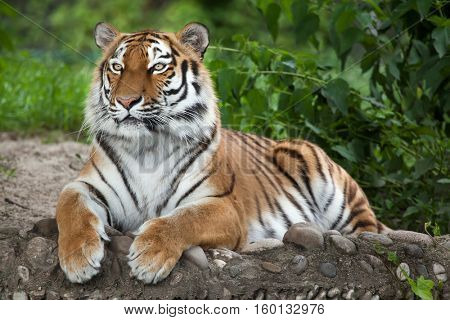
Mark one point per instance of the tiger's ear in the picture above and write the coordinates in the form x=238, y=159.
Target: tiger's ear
x=104, y=34
x=196, y=36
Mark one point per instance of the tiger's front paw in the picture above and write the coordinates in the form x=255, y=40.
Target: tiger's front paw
x=154, y=252
x=80, y=254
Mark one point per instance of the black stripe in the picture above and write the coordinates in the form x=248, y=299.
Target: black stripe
x=115, y=160
x=266, y=196
x=343, y=205
x=102, y=177
x=258, y=211
x=229, y=190
x=362, y=224
x=184, y=67
x=194, y=66
x=352, y=191
x=283, y=214
x=196, y=87
x=333, y=192
x=279, y=184
x=198, y=149
x=304, y=171
x=195, y=186
x=100, y=199
x=190, y=113
x=318, y=163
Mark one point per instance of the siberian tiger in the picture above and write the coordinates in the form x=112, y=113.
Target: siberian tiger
x=162, y=167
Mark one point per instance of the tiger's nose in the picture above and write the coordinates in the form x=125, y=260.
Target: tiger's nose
x=128, y=102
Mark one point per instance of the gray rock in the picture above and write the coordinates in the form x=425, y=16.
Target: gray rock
x=51, y=295
x=7, y=256
x=439, y=272
x=224, y=254
x=367, y=296
x=271, y=267
x=399, y=294
x=343, y=245
x=20, y=295
x=304, y=236
x=401, y=270
x=333, y=292
x=312, y=293
x=176, y=278
x=375, y=297
x=349, y=295
x=301, y=296
x=235, y=270
x=328, y=269
x=365, y=266
x=422, y=270
x=375, y=262
x=112, y=232
x=260, y=294
x=23, y=273
x=197, y=256
x=96, y=295
x=39, y=253
x=375, y=238
x=262, y=245
x=299, y=264
x=120, y=244
x=226, y=294
x=219, y=263
x=331, y=233
x=411, y=237
x=38, y=294
x=322, y=295
x=46, y=227
x=413, y=250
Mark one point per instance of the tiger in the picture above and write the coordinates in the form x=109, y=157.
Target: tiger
x=162, y=167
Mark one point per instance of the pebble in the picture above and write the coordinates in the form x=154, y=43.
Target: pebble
x=24, y=273
x=332, y=233
x=313, y=292
x=375, y=297
x=46, y=227
x=260, y=295
x=38, y=294
x=343, y=245
x=20, y=295
x=219, y=263
x=333, y=292
x=224, y=254
x=349, y=295
x=226, y=294
x=401, y=270
x=197, y=256
x=7, y=256
x=422, y=270
x=39, y=253
x=306, y=237
x=375, y=262
x=120, y=244
x=96, y=295
x=176, y=278
x=271, y=267
x=299, y=264
x=322, y=295
x=112, y=232
x=235, y=270
x=411, y=237
x=376, y=238
x=365, y=266
x=52, y=295
x=367, y=296
x=328, y=269
x=262, y=245
x=413, y=250
x=439, y=271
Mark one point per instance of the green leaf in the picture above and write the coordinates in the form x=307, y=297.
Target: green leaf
x=422, y=287
x=423, y=6
x=336, y=92
x=305, y=23
x=441, y=40
x=422, y=166
x=444, y=181
x=392, y=257
x=272, y=14
x=345, y=152
x=439, y=21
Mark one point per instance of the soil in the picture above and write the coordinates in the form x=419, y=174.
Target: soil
x=32, y=174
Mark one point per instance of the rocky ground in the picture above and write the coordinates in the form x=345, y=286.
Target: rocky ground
x=306, y=265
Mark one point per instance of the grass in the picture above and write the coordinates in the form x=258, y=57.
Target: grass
x=41, y=94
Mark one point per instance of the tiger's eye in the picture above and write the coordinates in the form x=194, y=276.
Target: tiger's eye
x=116, y=67
x=158, y=67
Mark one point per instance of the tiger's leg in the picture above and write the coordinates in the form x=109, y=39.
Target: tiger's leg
x=81, y=230
x=161, y=241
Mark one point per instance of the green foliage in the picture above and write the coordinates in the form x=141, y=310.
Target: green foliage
x=368, y=81
x=423, y=288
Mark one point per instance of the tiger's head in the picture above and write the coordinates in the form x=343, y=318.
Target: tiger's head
x=150, y=82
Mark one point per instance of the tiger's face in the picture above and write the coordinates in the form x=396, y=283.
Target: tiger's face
x=152, y=81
